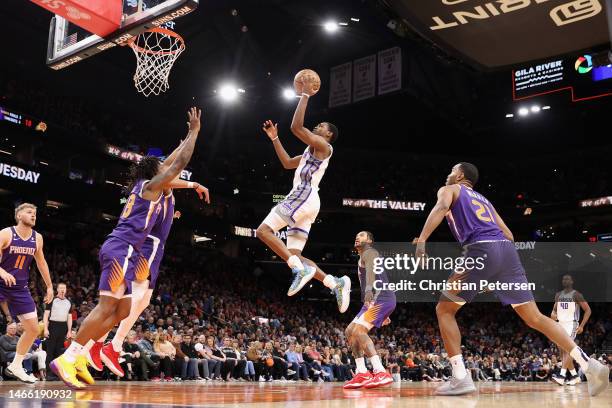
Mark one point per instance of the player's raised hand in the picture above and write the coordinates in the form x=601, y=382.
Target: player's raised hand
x=271, y=129
x=9, y=280
x=309, y=87
x=49, y=295
x=194, y=115
x=203, y=193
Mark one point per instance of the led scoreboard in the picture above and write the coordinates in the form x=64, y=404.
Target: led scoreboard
x=582, y=77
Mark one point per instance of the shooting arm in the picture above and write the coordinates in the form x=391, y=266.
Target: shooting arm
x=438, y=212
x=305, y=135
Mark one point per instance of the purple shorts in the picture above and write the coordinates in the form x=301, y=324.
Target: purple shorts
x=501, y=264
x=377, y=313
x=116, y=261
x=18, y=297
x=146, y=263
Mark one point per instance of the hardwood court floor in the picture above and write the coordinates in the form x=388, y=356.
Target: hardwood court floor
x=301, y=395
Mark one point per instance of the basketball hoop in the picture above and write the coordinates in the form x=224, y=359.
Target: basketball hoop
x=156, y=51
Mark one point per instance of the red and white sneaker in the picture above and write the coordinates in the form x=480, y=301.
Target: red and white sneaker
x=379, y=380
x=358, y=381
x=93, y=357
x=110, y=358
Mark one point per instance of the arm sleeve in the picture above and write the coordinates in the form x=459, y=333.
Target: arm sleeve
x=368, y=260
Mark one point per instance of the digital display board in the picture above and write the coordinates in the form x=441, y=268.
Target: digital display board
x=578, y=75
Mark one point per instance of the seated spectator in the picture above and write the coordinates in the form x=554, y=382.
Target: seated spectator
x=215, y=357
x=166, y=352
x=180, y=359
x=296, y=363
x=188, y=348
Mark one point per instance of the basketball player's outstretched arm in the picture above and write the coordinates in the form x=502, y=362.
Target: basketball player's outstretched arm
x=162, y=180
x=43, y=267
x=199, y=188
x=298, y=129
x=170, y=159
x=586, y=309
x=288, y=162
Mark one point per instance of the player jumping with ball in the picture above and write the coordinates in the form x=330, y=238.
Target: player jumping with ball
x=300, y=209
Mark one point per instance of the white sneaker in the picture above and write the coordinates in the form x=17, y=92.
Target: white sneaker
x=261, y=378
x=20, y=374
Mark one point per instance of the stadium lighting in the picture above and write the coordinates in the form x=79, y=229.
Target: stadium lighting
x=523, y=112
x=509, y=115
x=545, y=107
x=289, y=94
x=343, y=24
x=355, y=19
x=535, y=109
x=331, y=26
x=228, y=93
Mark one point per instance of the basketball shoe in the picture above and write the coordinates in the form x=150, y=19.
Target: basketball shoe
x=358, y=381
x=343, y=293
x=379, y=379
x=300, y=278
x=93, y=356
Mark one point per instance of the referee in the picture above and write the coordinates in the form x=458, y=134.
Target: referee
x=58, y=324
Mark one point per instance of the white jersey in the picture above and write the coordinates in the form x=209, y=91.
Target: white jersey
x=567, y=308
x=309, y=172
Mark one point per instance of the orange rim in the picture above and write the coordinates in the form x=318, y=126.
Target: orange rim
x=158, y=30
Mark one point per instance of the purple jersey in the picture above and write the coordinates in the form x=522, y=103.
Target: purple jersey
x=162, y=226
x=137, y=218
x=17, y=257
x=381, y=277
x=472, y=218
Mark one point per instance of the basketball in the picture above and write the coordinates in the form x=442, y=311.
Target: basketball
x=306, y=75
x=269, y=362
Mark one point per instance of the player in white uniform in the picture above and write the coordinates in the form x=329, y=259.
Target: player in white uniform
x=567, y=312
x=300, y=209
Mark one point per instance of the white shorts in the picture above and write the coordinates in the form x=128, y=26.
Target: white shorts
x=298, y=216
x=570, y=328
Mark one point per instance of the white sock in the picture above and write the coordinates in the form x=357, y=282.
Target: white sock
x=361, y=367
x=330, y=281
x=458, y=367
x=581, y=357
x=563, y=372
x=117, y=343
x=294, y=262
x=573, y=372
x=377, y=366
x=87, y=347
x=101, y=339
x=73, y=351
x=18, y=360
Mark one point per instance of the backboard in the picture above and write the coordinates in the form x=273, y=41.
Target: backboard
x=69, y=43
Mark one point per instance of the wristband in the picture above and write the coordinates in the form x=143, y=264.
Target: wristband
x=275, y=138
x=306, y=95
x=190, y=184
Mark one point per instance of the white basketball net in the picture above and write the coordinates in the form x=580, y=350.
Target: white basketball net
x=156, y=50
